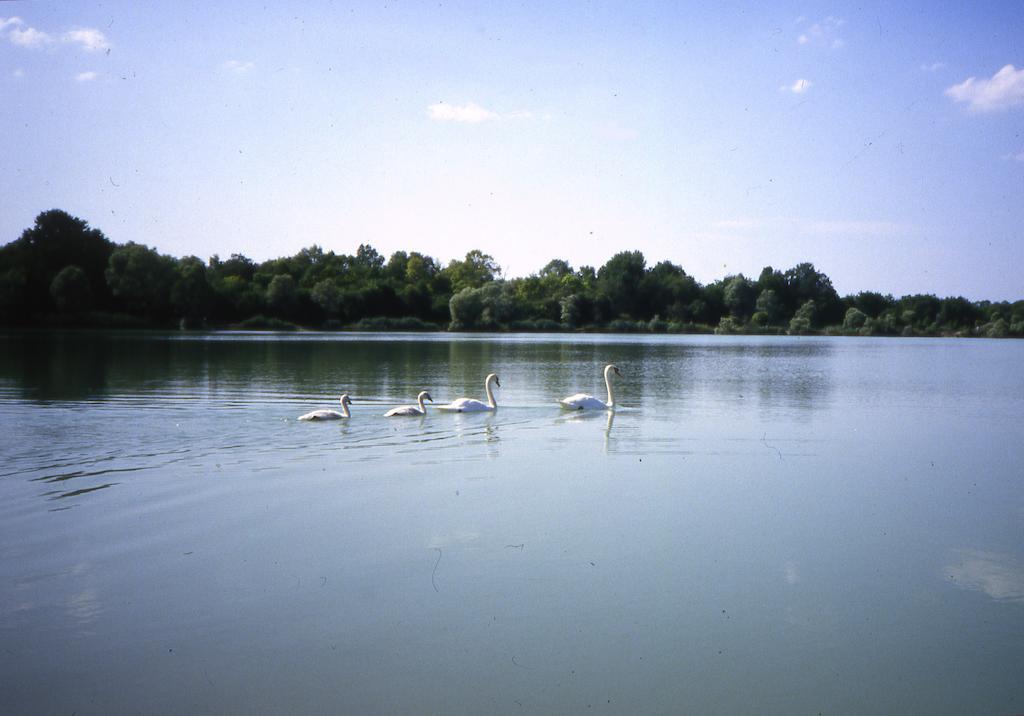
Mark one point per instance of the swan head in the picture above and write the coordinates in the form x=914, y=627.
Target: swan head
x=424, y=395
x=345, y=400
x=612, y=368
x=494, y=377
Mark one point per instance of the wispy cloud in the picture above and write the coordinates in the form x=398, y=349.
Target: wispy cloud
x=933, y=67
x=1019, y=157
x=89, y=39
x=1003, y=90
x=470, y=112
x=814, y=227
x=798, y=87
x=86, y=76
x=791, y=570
x=238, y=67
x=17, y=73
x=824, y=33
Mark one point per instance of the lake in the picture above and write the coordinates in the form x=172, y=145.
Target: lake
x=765, y=525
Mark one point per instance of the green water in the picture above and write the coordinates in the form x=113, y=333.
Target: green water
x=765, y=525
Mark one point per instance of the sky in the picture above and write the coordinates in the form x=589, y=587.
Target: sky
x=883, y=144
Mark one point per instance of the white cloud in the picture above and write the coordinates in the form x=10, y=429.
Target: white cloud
x=469, y=112
x=86, y=76
x=238, y=67
x=823, y=33
x=18, y=73
x=90, y=40
x=1005, y=89
x=87, y=38
x=933, y=67
x=29, y=37
x=1015, y=157
x=997, y=575
x=798, y=87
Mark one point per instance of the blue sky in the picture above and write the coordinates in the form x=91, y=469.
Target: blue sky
x=884, y=145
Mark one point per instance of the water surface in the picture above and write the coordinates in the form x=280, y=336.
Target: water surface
x=765, y=525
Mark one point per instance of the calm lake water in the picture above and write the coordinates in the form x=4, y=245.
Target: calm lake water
x=766, y=525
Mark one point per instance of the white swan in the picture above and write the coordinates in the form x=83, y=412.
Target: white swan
x=582, y=401
x=468, y=405
x=330, y=414
x=419, y=410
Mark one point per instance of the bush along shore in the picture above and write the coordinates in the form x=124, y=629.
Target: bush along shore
x=63, y=273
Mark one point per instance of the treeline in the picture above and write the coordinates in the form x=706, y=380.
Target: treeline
x=62, y=272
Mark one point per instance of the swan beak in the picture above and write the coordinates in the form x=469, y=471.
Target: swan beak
x=618, y=372
x=497, y=382
x=427, y=397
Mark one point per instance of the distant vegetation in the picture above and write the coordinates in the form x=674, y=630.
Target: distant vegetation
x=62, y=272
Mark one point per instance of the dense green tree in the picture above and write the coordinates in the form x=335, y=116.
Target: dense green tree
x=740, y=296
x=467, y=306
x=328, y=296
x=958, y=311
x=70, y=290
x=619, y=282
x=854, y=319
x=141, y=279
x=474, y=271
x=14, y=306
x=490, y=306
x=919, y=311
x=770, y=305
x=771, y=280
x=191, y=295
x=803, y=320
x=668, y=291
x=282, y=296
x=62, y=264
x=55, y=240
x=572, y=310
x=556, y=268
x=805, y=283
x=871, y=303
x=238, y=265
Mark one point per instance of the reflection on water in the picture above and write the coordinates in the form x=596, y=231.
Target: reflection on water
x=758, y=512
x=136, y=366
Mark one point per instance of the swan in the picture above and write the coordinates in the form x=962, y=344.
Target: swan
x=467, y=405
x=582, y=401
x=330, y=414
x=421, y=409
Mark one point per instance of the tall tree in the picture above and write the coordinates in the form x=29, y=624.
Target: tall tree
x=141, y=279
x=619, y=282
x=474, y=271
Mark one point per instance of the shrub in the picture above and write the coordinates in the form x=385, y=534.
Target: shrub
x=383, y=323
x=264, y=323
x=621, y=325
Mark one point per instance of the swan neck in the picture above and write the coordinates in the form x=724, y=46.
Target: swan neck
x=490, y=393
x=608, y=385
x=423, y=408
x=344, y=410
